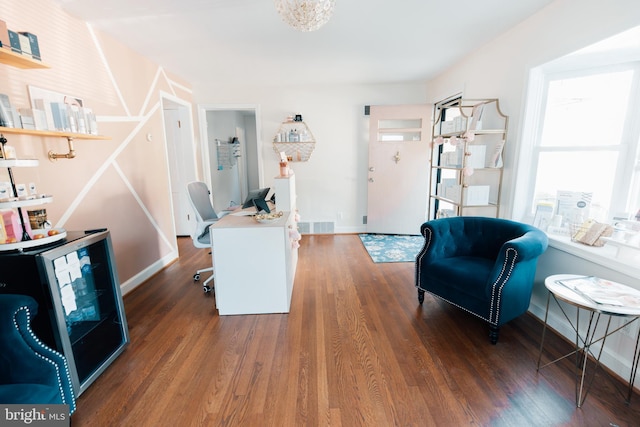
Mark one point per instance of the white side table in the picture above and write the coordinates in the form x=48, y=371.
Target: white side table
x=583, y=343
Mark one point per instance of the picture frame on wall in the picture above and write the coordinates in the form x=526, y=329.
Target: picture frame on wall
x=60, y=112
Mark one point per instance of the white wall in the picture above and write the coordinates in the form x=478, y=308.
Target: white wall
x=335, y=178
x=250, y=145
x=500, y=69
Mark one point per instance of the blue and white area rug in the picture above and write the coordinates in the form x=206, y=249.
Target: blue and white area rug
x=392, y=247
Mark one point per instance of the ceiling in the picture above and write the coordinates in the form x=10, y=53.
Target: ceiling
x=246, y=42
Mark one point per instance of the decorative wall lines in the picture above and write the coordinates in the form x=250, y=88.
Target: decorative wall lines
x=108, y=68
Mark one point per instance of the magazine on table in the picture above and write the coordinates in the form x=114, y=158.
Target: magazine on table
x=602, y=291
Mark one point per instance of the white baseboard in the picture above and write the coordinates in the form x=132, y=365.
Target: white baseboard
x=351, y=230
x=145, y=274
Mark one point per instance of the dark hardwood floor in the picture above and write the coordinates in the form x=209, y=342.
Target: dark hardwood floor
x=355, y=350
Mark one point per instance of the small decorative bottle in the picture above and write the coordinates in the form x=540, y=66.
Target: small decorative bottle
x=284, y=169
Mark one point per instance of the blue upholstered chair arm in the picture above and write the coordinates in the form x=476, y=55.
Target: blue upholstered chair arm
x=24, y=358
x=511, y=278
x=528, y=246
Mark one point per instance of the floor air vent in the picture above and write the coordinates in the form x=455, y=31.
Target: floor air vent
x=304, y=227
x=323, y=228
x=316, y=227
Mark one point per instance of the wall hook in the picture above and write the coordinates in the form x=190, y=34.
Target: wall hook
x=396, y=158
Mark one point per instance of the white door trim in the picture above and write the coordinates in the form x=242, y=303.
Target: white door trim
x=202, y=120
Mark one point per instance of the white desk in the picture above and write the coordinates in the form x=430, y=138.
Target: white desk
x=584, y=342
x=254, y=264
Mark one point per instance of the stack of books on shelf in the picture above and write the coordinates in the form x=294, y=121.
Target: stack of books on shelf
x=21, y=42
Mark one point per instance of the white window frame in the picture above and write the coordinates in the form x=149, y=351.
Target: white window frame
x=539, y=78
x=627, y=148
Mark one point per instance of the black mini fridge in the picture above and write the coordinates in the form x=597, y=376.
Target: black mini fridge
x=80, y=308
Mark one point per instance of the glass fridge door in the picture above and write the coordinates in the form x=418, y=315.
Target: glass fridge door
x=90, y=313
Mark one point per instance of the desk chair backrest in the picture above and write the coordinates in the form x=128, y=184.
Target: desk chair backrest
x=199, y=197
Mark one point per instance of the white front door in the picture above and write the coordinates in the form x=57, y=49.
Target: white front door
x=399, y=141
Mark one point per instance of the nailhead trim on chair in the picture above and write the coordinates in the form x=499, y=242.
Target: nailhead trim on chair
x=460, y=307
x=422, y=253
x=495, y=299
x=72, y=406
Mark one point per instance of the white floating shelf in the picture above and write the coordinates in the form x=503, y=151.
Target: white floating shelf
x=25, y=203
x=19, y=163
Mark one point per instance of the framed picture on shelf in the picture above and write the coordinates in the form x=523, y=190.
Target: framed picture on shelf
x=57, y=111
x=573, y=206
x=544, y=213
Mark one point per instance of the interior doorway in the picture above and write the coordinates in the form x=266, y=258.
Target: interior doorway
x=179, y=139
x=231, y=151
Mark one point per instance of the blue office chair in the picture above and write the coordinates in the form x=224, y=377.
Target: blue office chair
x=30, y=372
x=484, y=266
x=199, y=197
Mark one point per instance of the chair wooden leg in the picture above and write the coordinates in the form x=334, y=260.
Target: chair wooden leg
x=494, y=331
x=420, y=296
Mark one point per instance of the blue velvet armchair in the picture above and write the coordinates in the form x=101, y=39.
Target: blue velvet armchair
x=30, y=372
x=484, y=266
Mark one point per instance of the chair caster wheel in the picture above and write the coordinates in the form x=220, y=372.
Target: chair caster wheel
x=196, y=277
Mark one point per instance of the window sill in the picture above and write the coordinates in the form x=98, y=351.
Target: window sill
x=607, y=255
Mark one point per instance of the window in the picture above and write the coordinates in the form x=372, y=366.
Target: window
x=585, y=136
x=587, y=140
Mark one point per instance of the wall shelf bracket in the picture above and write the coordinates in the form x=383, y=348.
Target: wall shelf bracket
x=70, y=155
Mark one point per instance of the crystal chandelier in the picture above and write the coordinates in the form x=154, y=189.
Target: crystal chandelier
x=305, y=15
